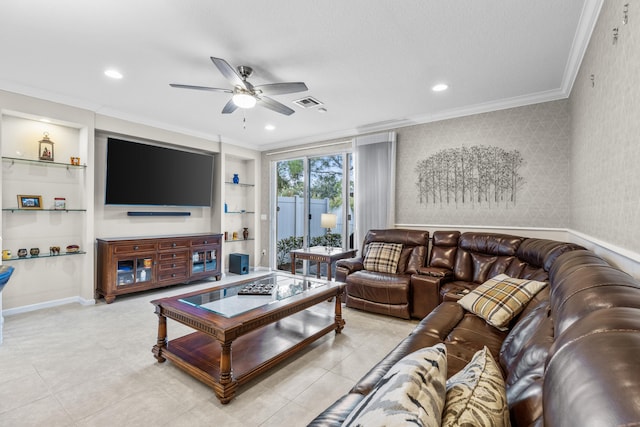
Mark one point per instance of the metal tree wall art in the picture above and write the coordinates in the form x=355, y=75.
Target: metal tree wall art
x=470, y=175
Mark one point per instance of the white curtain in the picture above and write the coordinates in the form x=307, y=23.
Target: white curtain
x=375, y=173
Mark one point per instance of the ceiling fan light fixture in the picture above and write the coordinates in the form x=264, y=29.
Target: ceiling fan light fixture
x=244, y=100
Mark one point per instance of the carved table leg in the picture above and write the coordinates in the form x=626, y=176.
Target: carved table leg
x=162, y=337
x=338, y=317
x=228, y=385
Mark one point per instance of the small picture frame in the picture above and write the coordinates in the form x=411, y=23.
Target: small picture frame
x=59, y=203
x=29, y=202
x=45, y=148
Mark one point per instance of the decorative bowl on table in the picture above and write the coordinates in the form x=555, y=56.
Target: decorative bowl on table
x=71, y=249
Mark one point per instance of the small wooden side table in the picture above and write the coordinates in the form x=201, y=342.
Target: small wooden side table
x=320, y=254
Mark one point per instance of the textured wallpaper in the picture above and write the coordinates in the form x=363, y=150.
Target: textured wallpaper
x=539, y=134
x=605, y=132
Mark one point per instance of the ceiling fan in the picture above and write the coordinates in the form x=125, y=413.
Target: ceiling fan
x=246, y=95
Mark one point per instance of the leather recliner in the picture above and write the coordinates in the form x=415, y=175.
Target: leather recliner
x=384, y=293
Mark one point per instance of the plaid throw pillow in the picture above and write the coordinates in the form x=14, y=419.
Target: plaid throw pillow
x=382, y=257
x=500, y=299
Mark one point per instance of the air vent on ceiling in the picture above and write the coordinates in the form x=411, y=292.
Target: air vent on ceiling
x=307, y=102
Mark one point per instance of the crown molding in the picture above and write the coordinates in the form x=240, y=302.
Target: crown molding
x=586, y=25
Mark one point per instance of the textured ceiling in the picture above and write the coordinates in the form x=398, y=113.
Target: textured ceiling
x=372, y=63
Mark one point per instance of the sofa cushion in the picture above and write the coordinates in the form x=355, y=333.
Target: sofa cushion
x=382, y=257
x=411, y=393
x=500, y=299
x=476, y=395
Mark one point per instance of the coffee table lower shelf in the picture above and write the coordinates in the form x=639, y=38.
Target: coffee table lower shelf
x=252, y=354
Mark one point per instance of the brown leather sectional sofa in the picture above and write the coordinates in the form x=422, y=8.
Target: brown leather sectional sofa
x=570, y=358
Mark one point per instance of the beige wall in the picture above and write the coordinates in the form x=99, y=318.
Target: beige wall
x=605, y=133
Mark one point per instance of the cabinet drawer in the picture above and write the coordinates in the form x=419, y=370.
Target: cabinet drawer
x=173, y=256
x=173, y=244
x=177, y=265
x=180, y=276
x=205, y=240
x=172, y=271
x=134, y=247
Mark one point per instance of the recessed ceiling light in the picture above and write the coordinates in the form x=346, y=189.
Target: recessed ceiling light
x=440, y=87
x=270, y=127
x=114, y=74
x=322, y=110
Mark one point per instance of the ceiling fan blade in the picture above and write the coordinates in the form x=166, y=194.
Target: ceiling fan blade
x=213, y=89
x=274, y=105
x=229, y=73
x=282, y=88
x=229, y=107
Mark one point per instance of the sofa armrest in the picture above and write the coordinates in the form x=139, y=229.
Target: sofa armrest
x=436, y=272
x=425, y=294
x=344, y=267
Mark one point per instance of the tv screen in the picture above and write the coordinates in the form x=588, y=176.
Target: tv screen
x=142, y=174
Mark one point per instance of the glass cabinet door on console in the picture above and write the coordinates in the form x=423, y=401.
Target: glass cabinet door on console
x=133, y=271
x=204, y=260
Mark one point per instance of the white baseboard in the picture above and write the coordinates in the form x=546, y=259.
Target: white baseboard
x=560, y=234
x=621, y=258
x=47, y=304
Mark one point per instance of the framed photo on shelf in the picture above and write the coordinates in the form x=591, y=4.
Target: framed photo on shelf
x=29, y=202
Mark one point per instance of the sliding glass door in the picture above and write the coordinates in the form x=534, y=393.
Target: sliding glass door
x=314, y=206
x=290, y=210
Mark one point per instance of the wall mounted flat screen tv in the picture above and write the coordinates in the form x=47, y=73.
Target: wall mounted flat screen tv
x=143, y=174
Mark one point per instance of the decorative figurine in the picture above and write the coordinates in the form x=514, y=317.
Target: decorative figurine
x=245, y=233
x=45, y=148
x=236, y=178
x=22, y=252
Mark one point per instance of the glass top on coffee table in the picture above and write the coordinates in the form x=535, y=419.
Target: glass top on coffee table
x=250, y=294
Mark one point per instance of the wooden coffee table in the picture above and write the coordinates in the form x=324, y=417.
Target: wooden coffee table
x=264, y=328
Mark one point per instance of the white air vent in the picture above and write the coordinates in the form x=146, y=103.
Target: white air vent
x=307, y=102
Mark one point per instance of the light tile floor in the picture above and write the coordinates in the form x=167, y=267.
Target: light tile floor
x=75, y=365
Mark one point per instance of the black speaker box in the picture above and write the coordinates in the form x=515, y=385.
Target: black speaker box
x=239, y=263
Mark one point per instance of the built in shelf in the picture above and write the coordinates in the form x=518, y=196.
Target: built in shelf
x=240, y=184
x=41, y=210
x=237, y=240
x=44, y=256
x=240, y=212
x=42, y=163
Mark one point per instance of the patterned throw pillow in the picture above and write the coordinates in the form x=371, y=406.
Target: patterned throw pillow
x=500, y=299
x=476, y=395
x=382, y=257
x=411, y=393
